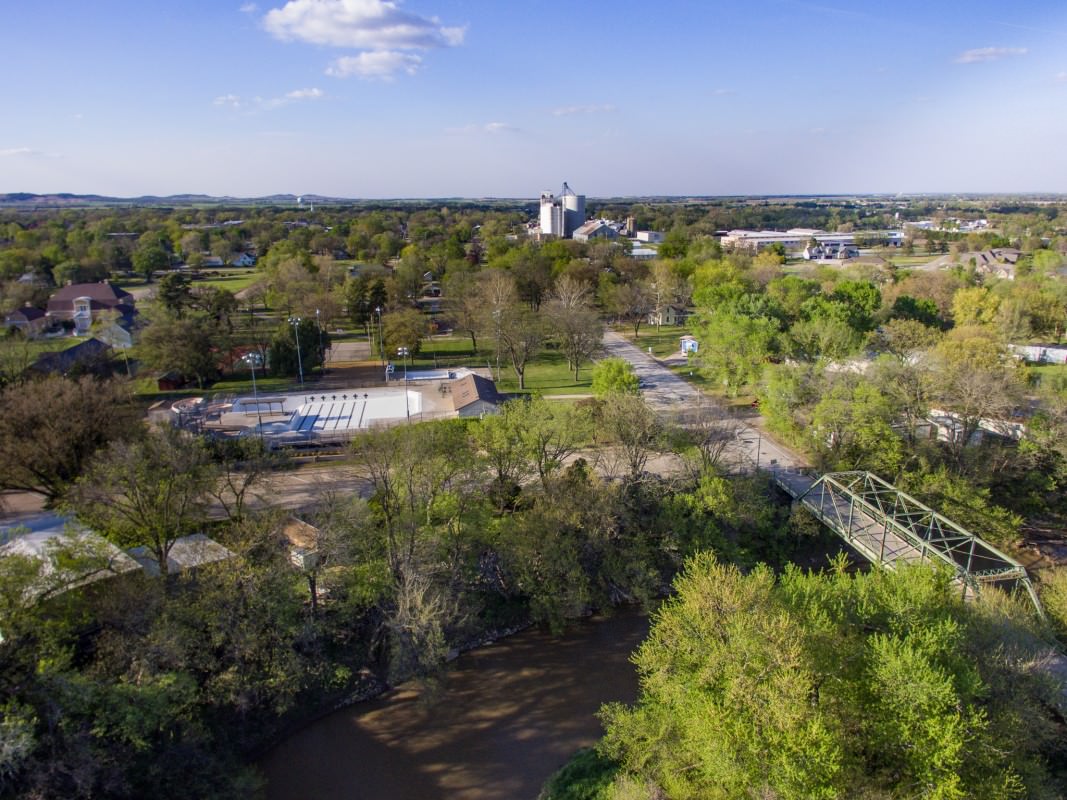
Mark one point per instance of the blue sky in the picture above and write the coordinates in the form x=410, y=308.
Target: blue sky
x=476, y=98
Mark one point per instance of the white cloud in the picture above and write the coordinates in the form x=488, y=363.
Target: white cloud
x=249, y=8
x=981, y=54
x=377, y=65
x=235, y=101
x=566, y=111
x=26, y=152
x=722, y=92
x=488, y=127
x=379, y=25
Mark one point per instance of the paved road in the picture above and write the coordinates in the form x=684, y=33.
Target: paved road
x=669, y=394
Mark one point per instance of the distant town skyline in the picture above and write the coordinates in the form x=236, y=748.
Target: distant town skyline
x=476, y=98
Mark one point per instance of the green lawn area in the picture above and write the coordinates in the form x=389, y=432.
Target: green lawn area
x=232, y=280
x=547, y=374
x=662, y=340
x=1052, y=377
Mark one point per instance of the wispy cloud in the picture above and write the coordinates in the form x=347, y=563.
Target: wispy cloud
x=981, y=54
x=1061, y=77
x=379, y=28
x=25, y=152
x=566, y=111
x=236, y=102
x=230, y=100
x=249, y=8
x=488, y=127
x=383, y=65
x=722, y=92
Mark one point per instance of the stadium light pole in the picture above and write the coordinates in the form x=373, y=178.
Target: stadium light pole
x=322, y=350
x=252, y=359
x=295, y=322
x=403, y=353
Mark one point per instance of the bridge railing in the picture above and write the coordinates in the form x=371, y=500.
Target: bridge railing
x=973, y=560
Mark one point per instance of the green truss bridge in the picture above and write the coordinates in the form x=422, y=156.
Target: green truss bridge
x=888, y=527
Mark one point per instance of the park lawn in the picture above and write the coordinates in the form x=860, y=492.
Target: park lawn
x=664, y=340
x=547, y=374
x=233, y=281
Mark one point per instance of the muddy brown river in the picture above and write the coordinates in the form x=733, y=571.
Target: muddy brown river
x=510, y=714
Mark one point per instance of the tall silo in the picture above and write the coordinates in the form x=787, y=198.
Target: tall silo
x=573, y=210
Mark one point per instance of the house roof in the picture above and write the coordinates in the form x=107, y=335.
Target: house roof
x=591, y=226
x=64, y=360
x=102, y=292
x=300, y=533
x=25, y=314
x=45, y=536
x=186, y=553
x=472, y=388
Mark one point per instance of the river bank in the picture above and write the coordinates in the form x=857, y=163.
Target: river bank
x=508, y=716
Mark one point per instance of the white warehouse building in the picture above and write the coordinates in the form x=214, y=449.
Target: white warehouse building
x=797, y=239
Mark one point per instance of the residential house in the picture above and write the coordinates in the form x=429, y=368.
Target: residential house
x=83, y=303
x=29, y=321
x=668, y=314
x=91, y=355
x=244, y=260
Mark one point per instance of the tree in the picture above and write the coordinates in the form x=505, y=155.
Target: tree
x=244, y=465
x=174, y=294
x=734, y=348
x=405, y=328
x=633, y=428
x=839, y=684
x=283, y=358
x=977, y=379
x=577, y=331
x=464, y=303
x=631, y=303
x=614, y=376
x=149, y=492
x=903, y=338
x=521, y=334
x=188, y=346
x=852, y=428
x=974, y=306
x=51, y=428
x=150, y=260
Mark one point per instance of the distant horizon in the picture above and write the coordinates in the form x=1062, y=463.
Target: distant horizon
x=532, y=199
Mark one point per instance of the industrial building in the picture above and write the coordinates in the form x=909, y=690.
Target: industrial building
x=796, y=239
x=561, y=216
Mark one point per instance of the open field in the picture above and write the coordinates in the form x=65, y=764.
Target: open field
x=231, y=280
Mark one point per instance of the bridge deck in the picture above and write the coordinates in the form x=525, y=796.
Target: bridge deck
x=888, y=528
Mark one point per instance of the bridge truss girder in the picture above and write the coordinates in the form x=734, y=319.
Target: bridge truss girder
x=889, y=527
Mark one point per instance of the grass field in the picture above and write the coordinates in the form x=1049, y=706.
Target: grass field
x=1052, y=377
x=232, y=280
x=663, y=340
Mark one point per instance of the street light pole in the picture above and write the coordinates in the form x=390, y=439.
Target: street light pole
x=295, y=322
